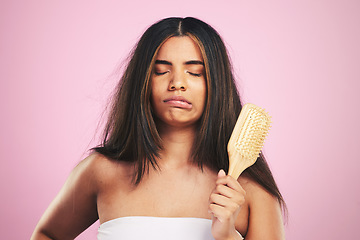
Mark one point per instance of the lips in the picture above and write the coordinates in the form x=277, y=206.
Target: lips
x=178, y=102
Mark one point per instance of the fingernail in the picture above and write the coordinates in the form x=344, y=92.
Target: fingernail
x=221, y=173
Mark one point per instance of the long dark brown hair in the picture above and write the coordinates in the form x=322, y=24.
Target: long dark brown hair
x=131, y=133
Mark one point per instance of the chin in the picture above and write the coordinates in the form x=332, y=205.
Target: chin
x=178, y=123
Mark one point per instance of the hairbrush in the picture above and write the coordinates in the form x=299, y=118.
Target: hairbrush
x=247, y=138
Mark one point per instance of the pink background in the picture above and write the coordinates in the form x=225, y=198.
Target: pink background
x=298, y=59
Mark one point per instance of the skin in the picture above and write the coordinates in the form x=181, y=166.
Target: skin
x=99, y=188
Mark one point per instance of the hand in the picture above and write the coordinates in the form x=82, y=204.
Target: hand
x=225, y=204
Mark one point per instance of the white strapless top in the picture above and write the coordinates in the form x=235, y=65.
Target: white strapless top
x=151, y=228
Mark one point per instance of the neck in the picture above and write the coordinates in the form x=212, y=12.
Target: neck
x=177, y=146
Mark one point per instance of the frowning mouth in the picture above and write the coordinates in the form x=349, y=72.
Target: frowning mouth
x=178, y=102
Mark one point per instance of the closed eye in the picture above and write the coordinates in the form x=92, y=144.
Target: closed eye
x=195, y=74
x=160, y=73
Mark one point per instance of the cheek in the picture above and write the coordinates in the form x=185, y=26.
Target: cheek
x=199, y=90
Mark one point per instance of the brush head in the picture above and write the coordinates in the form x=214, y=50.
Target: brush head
x=247, y=138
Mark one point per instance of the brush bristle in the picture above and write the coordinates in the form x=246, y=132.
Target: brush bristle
x=251, y=139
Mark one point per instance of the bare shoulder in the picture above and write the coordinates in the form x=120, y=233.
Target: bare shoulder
x=75, y=207
x=104, y=170
x=265, y=218
x=255, y=192
x=96, y=162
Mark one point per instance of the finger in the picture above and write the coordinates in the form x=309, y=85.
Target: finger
x=230, y=182
x=221, y=173
x=220, y=212
x=233, y=183
x=224, y=190
x=228, y=192
x=225, y=202
x=218, y=199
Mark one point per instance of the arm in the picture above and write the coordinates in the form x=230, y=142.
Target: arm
x=74, y=208
x=265, y=218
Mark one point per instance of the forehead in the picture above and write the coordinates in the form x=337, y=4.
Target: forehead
x=179, y=48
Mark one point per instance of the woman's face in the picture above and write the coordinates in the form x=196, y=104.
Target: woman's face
x=178, y=85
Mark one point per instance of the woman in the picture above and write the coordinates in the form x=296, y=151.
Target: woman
x=159, y=173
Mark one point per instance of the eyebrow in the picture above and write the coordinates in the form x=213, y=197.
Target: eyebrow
x=191, y=62
x=196, y=62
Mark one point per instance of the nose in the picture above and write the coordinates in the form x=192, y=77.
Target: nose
x=178, y=82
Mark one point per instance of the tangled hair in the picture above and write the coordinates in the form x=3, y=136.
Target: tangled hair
x=131, y=134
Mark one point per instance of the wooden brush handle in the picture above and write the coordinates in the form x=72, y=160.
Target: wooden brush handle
x=239, y=164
